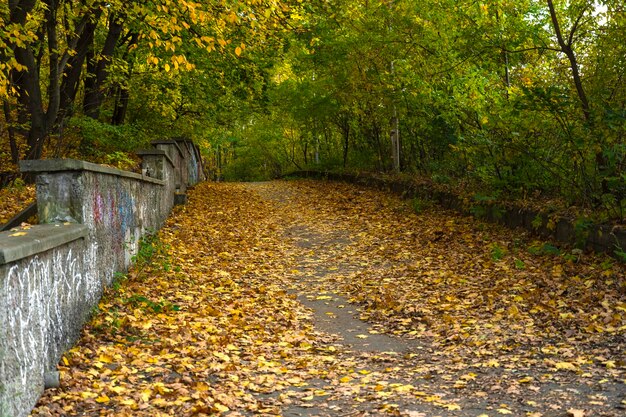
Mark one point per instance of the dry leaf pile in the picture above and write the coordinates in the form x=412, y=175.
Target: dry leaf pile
x=14, y=199
x=490, y=322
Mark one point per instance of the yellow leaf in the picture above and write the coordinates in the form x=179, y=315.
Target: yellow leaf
x=167, y=67
x=18, y=234
x=404, y=388
x=492, y=363
x=345, y=379
x=362, y=336
x=159, y=402
x=504, y=411
x=103, y=399
x=145, y=395
x=238, y=51
x=460, y=384
x=105, y=358
x=565, y=366
x=221, y=407
x=468, y=377
x=222, y=356
x=118, y=389
x=323, y=297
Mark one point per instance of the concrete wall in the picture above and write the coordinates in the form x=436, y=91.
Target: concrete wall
x=194, y=161
x=53, y=274
x=177, y=156
x=42, y=298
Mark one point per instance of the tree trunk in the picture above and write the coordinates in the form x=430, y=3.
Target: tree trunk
x=566, y=47
x=30, y=101
x=53, y=63
x=15, y=151
x=346, y=144
x=121, y=106
x=73, y=71
x=97, y=67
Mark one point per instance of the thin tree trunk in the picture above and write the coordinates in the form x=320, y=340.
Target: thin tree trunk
x=346, y=144
x=15, y=151
x=566, y=47
x=53, y=64
x=121, y=106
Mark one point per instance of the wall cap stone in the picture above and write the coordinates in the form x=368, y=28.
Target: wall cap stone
x=57, y=165
x=37, y=239
x=169, y=142
x=149, y=152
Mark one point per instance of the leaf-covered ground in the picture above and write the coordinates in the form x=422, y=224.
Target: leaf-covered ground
x=14, y=199
x=252, y=300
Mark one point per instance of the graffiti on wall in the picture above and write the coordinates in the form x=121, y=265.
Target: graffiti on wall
x=45, y=300
x=116, y=216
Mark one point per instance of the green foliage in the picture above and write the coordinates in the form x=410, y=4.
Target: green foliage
x=420, y=204
x=118, y=279
x=107, y=143
x=497, y=252
x=146, y=304
x=479, y=211
x=544, y=249
x=150, y=250
x=17, y=185
x=481, y=93
x=537, y=221
x=460, y=118
x=582, y=228
x=620, y=254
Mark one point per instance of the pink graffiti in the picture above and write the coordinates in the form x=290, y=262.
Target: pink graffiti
x=98, y=208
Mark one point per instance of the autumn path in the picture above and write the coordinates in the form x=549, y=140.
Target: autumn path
x=311, y=298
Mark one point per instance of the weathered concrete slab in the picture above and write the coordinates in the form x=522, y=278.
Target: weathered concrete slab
x=44, y=301
x=22, y=243
x=56, y=165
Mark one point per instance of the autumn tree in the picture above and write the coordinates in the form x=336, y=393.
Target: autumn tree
x=62, y=58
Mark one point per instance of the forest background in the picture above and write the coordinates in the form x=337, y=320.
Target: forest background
x=520, y=99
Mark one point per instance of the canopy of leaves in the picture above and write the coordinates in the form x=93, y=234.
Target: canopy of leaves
x=511, y=98
x=498, y=95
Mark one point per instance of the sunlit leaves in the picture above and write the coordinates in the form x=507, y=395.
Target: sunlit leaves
x=13, y=199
